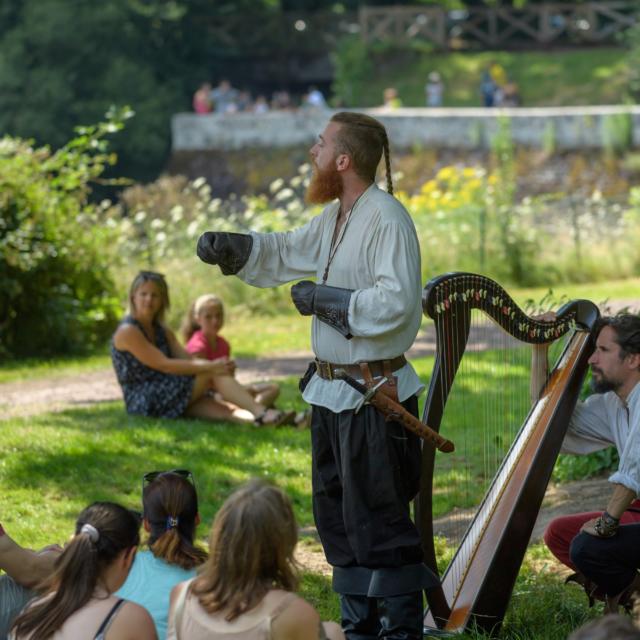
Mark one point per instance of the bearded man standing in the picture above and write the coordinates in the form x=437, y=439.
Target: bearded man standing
x=363, y=252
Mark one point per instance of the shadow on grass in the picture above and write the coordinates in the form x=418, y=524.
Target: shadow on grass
x=100, y=453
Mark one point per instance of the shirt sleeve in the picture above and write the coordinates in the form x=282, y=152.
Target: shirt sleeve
x=394, y=299
x=628, y=473
x=589, y=429
x=277, y=258
x=197, y=343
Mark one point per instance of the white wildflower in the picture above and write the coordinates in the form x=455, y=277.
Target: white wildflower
x=276, y=185
x=177, y=213
x=192, y=229
x=284, y=194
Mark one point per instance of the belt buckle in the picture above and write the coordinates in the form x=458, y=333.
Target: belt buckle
x=325, y=369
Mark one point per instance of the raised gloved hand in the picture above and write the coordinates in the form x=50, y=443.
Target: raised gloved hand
x=329, y=304
x=228, y=250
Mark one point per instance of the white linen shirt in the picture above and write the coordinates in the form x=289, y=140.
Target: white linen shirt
x=602, y=420
x=377, y=256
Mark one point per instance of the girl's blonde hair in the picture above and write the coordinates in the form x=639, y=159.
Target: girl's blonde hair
x=251, y=549
x=190, y=324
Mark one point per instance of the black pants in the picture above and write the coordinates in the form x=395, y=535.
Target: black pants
x=365, y=473
x=611, y=563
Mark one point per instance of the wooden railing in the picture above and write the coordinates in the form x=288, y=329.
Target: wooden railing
x=501, y=27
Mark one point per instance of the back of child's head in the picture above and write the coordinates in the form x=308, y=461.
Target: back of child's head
x=613, y=626
x=103, y=531
x=170, y=506
x=251, y=547
x=190, y=323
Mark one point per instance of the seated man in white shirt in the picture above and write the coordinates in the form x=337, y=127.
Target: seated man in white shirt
x=611, y=416
x=24, y=569
x=363, y=252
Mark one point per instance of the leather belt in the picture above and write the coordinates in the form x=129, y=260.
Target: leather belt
x=326, y=370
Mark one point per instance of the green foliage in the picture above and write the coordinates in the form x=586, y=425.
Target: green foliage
x=56, y=290
x=617, y=133
x=570, y=467
x=65, y=62
x=158, y=225
x=353, y=69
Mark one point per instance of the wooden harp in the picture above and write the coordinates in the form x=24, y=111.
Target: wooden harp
x=477, y=584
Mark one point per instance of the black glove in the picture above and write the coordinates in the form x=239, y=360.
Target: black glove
x=329, y=304
x=229, y=250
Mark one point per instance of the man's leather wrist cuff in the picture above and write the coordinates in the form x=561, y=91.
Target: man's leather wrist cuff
x=606, y=526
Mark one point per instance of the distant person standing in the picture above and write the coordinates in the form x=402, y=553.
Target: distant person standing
x=315, y=99
x=224, y=97
x=487, y=89
x=261, y=105
x=391, y=98
x=202, y=98
x=499, y=77
x=434, y=90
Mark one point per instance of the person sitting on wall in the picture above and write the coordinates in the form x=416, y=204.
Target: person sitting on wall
x=202, y=99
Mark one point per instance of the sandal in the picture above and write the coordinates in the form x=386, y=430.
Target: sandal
x=277, y=419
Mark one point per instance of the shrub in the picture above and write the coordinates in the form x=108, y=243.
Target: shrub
x=56, y=292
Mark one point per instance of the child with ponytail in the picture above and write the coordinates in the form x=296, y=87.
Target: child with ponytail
x=170, y=517
x=201, y=332
x=78, y=601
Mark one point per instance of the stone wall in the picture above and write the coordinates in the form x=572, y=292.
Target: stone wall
x=563, y=128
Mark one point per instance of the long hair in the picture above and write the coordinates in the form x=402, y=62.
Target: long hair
x=170, y=505
x=190, y=324
x=626, y=327
x=251, y=549
x=364, y=139
x=159, y=280
x=80, y=567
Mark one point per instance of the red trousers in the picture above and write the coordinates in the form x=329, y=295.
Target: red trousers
x=561, y=531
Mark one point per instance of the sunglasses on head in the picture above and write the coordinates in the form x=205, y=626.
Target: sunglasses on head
x=148, y=478
x=151, y=274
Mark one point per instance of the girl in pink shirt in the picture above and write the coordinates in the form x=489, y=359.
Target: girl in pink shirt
x=201, y=332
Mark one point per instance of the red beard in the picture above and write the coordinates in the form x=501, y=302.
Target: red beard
x=325, y=185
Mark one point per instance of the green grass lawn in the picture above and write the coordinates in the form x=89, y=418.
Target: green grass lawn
x=557, y=78
x=53, y=465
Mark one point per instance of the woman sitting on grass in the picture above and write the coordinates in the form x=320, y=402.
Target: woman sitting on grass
x=79, y=603
x=170, y=517
x=201, y=333
x=246, y=586
x=158, y=377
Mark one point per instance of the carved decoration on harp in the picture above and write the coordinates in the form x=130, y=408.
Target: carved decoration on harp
x=477, y=585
